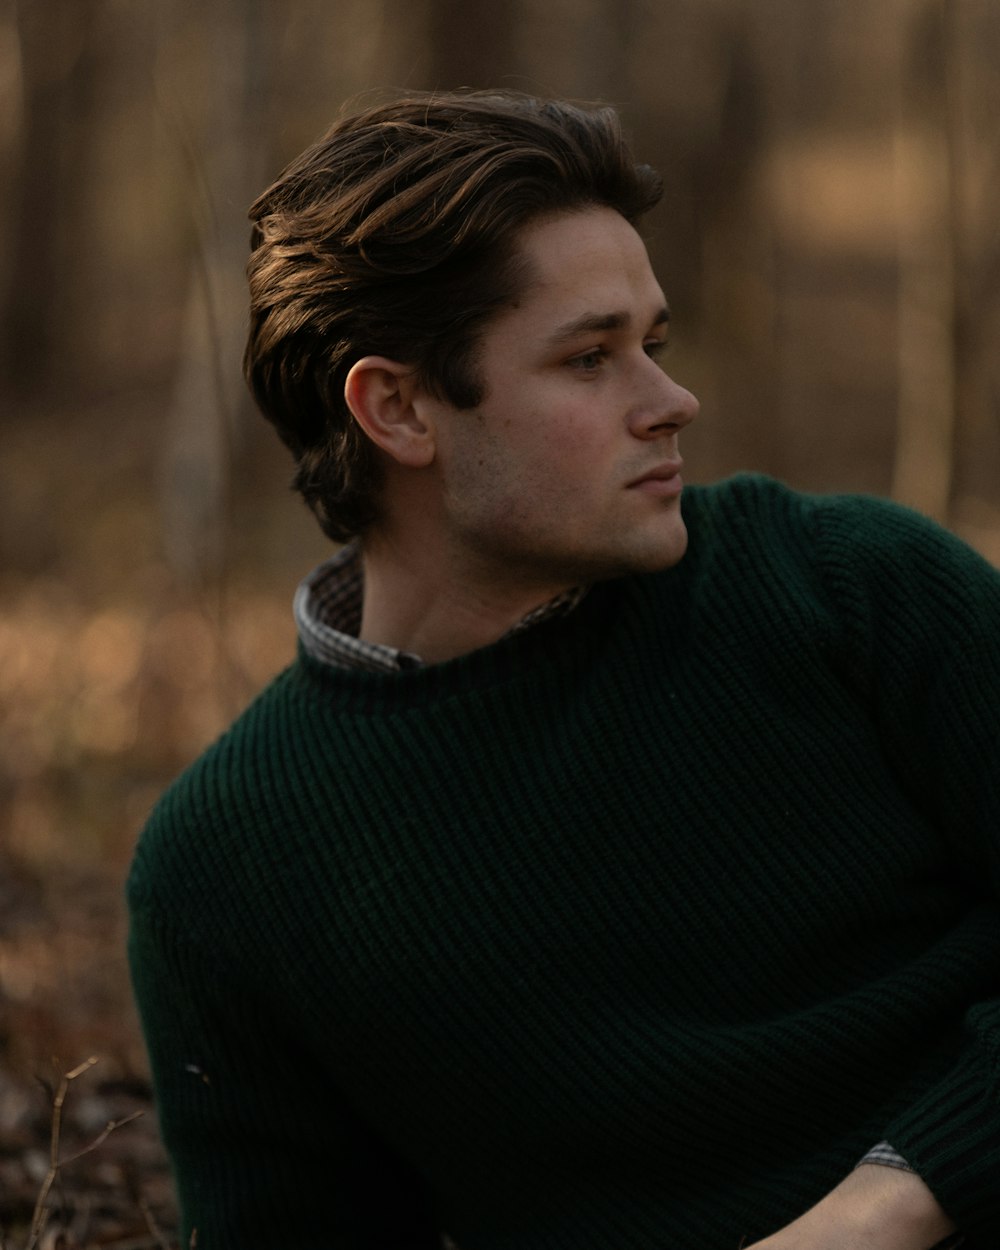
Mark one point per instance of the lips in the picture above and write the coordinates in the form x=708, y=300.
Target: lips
x=662, y=479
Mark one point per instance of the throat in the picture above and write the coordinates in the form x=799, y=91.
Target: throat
x=438, y=620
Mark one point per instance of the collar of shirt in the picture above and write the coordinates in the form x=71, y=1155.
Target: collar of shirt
x=327, y=608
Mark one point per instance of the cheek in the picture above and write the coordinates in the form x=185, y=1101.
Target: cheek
x=576, y=455
x=571, y=436
x=532, y=466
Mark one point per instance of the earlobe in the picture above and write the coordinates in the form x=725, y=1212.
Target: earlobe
x=382, y=396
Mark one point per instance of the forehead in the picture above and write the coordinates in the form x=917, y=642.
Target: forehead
x=582, y=265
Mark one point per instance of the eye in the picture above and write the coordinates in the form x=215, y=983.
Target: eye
x=655, y=347
x=589, y=362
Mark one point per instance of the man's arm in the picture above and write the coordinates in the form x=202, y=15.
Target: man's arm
x=920, y=615
x=876, y=1207
x=265, y=1151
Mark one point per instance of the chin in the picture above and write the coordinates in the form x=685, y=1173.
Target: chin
x=662, y=552
x=653, y=556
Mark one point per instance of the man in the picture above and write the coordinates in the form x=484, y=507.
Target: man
x=613, y=867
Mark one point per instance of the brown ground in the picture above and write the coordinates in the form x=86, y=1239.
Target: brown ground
x=119, y=660
x=63, y=977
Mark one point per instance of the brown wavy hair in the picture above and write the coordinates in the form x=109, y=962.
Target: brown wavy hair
x=396, y=235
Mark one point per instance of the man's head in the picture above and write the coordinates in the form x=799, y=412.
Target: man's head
x=397, y=236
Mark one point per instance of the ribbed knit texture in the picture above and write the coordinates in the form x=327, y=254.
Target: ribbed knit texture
x=633, y=930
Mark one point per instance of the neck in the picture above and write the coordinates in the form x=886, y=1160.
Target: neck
x=413, y=605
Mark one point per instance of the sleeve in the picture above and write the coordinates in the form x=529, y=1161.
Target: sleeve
x=921, y=615
x=264, y=1153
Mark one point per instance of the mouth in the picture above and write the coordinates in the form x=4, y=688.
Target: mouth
x=663, y=479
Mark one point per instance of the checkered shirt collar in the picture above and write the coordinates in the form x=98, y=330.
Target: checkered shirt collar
x=327, y=609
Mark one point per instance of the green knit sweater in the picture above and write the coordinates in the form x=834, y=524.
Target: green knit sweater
x=636, y=929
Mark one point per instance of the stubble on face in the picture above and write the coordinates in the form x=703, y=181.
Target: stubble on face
x=535, y=478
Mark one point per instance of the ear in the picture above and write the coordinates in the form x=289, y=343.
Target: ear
x=381, y=394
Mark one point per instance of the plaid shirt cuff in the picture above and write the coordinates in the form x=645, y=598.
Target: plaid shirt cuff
x=884, y=1155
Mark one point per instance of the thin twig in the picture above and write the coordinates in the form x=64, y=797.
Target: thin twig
x=40, y=1214
x=154, y=1228
x=79, y=1071
x=101, y=1137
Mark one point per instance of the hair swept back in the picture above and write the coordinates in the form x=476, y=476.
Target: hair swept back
x=395, y=235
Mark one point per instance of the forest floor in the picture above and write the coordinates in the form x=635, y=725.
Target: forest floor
x=66, y=1007
x=122, y=656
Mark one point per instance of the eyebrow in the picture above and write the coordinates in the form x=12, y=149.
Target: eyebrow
x=591, y=323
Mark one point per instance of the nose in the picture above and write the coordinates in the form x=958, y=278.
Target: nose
x=667, y=407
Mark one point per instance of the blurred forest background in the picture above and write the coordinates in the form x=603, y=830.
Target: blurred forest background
x=829, y=242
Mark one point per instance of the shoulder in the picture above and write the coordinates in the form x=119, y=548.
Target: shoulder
x=862, y=531
x=767, y=502
x=748, y=521
x=844, y=564
x=749, y=533
x=211, y=818
x=744, y=494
